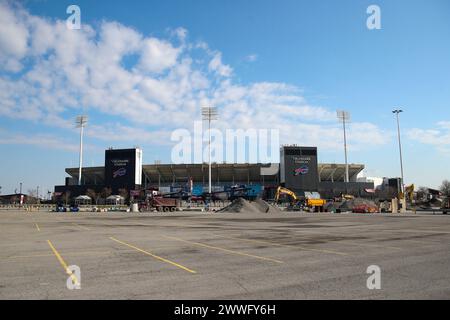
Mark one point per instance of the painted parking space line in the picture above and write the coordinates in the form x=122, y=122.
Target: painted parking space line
x=153, y=255
x=37, y=227
x=224, y=249
x=285, y=245
x=63, y=264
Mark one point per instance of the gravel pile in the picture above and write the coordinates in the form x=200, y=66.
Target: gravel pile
x=257, y=206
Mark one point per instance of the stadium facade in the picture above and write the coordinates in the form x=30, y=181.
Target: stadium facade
x=298, y=170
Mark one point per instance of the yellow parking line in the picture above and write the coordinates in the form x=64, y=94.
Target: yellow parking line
x=37, y=227
x=225, y=250
x=154, y=256
x=63, y=263
x=285, y=245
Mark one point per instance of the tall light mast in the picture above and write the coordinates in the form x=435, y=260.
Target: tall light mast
x=81, y=122
x=209, y=114
x=397, y=113
x=344, y=116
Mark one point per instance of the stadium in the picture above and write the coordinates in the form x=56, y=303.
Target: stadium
x=297, y=170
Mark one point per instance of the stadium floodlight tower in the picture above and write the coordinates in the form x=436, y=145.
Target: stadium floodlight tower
x=80, y=122
x=397, y=113
x=344, y=116
x=209, y=114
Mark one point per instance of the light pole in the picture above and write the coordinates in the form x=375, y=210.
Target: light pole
x=209, y=113
x=81, y=123
x=397, y=113
x=344, y=116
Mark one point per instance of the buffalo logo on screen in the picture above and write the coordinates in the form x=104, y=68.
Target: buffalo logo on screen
x=301, y=170
x=119, y=172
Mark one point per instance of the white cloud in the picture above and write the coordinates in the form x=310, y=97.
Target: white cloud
x=139, y=82
x=251, y=57
x=438, y=137
x=218, y=67
x=13, y=38
x=40, y=140
x=158, y=55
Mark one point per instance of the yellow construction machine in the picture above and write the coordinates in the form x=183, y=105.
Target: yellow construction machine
x=310, y=201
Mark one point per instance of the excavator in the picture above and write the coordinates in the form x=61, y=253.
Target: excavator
x=299, y=204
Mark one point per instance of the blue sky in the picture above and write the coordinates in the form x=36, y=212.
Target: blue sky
x=285, y=64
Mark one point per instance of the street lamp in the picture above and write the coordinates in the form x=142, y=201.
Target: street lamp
x=344, y=116
x=397, y=113
x=209, y=113
x=80, y=122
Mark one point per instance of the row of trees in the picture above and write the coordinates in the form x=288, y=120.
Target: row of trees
x=445, y=188
x=105, y=193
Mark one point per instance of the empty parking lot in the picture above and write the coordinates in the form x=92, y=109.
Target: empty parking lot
x=222, y=256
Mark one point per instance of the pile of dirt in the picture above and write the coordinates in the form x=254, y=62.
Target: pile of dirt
x=257, y=206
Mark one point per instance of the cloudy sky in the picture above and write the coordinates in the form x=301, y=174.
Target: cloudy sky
x=141, y=70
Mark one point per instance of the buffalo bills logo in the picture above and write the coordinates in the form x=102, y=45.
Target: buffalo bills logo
x=301, y=171
x=119, y=172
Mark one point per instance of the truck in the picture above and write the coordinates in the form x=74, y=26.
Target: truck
x=159, y=204
x=156, y=201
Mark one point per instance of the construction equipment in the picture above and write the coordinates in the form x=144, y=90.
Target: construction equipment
x=160, y=203
x=296, y=204
x=410, y=192
x=311, y=200
x=347, y=197
x=314, y=200
x=282, y=190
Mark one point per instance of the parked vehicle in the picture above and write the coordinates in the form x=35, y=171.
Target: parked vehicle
x=311, y=201
x=364, y=208
x=60, y=208
x=159, y=203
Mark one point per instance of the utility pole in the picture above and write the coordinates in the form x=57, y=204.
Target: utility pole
x=81, y=123
x=397, y=113
x=344, y=116
x=20, y=192
x=209, y=113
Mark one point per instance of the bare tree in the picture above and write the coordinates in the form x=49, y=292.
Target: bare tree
x=94, y=195
x=124, y=193
x=13, y=199
x=106, y=192
x=422, y=193
x=32, y=196
x=66, y=197
x=445, y=188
